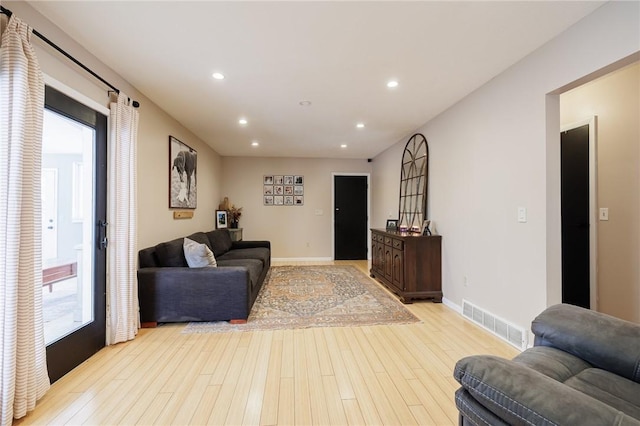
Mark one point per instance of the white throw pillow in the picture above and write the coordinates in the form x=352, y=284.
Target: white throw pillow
x=198, y=255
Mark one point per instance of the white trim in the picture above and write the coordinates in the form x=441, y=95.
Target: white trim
x=593, y=205
x=448, y=303
x=301, y=259
x=74, y=94
x=333, y=209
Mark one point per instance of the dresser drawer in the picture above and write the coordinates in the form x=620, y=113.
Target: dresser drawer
x=387, y=240
x=397, y=244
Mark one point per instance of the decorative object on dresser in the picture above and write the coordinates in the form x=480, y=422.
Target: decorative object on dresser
x=408, y=264
x=406, y=257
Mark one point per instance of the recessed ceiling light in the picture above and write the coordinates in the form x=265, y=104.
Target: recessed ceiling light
x=360, y=125
x=242, y=121
x=305, y=103
x=255, y=143
x=344, y=145
x=218, y=76
x=392, y=83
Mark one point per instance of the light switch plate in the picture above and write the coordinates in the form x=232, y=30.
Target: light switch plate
x=604, y=213
x=522, y=214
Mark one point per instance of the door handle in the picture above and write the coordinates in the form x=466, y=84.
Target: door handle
x=103, y=241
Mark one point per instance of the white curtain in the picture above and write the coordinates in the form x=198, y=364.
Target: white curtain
x=24, y=366
x=122, y=286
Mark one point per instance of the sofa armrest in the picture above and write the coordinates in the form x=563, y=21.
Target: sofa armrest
x=193, y=294
x=603, y=341
x=250, y=244
x=520, y=395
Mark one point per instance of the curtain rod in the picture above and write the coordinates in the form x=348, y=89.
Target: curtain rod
x=7, y=12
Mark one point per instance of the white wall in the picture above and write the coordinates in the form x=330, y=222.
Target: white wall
x=497, y=150
x=295, y=232
x=615, y=100
x=155, y=219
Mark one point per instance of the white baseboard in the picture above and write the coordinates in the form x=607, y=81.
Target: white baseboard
x=448, y=303
x=301, y=259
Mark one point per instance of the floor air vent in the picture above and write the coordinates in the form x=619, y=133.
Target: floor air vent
x=508, y=332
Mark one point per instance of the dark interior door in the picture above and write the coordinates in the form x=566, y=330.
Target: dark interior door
x=575, y=216
x=350, y=217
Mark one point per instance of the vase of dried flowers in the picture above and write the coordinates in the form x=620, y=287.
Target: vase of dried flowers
x=233, y=212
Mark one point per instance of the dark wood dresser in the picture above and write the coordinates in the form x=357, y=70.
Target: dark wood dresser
x=410, y=265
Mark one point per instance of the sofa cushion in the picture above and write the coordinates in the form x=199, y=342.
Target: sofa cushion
x=198, y=255
x=552, y=362
x=200, y=237
x=261, y=253
x=220, y=240
x=147, y=258
x=171, y=254
x=254, y=266
x=616, y=391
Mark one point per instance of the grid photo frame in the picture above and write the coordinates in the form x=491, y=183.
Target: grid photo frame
x=283, y=190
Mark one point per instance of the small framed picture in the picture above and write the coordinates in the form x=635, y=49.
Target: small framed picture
x=268, y=189
x=268, y=179
x=278, y=180
x=278, y=200
x=298, y=190
x=288, y=200
x=288, y=190
x=288, y=180
x=392, y=224
x=221, y=219
x=268, y=200
x=298, y=180
x=278, y=190
x=425, y=227
x=298, y=200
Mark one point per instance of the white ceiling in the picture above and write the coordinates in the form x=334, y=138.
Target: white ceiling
x=338, y=55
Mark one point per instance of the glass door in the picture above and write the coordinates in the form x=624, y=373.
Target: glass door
x=73, y=225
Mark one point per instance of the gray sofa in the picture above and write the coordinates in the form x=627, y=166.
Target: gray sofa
x=170, y=291
x=584, y=369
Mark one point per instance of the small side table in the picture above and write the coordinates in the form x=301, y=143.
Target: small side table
x=236, y=234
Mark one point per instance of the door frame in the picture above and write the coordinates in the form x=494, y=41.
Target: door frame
x=592, y=122
x=333, y=209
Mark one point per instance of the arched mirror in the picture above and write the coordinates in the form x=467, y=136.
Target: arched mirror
x=413, y=184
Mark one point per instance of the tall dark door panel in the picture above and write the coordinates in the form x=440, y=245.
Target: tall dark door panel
x=74, y=213
x=350, y=217
x=575, y=216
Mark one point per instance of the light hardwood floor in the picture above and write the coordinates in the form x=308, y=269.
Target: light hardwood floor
x=394, y=375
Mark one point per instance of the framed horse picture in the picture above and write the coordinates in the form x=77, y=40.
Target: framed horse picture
x=183, y=168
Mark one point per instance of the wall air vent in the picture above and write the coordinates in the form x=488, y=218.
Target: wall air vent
x=510, y=333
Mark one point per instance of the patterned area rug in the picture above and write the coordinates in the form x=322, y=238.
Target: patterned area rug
x=316, y=296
